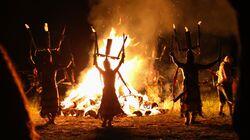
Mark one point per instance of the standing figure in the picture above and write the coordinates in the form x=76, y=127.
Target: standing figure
x=46, y=66
x=224, y=85
x=110, y=105
x=47, y=70
x=191, y=99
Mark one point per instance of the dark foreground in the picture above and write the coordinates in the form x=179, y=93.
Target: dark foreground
x=165, y=126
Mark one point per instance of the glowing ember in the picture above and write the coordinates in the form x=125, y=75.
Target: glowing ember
x=87, y=94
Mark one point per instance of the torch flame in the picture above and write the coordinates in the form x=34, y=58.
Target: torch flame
x=93, y=29
x=199, y=23
x=46, y=28
x=186, y=29
x=173, y=26
x=27, y=26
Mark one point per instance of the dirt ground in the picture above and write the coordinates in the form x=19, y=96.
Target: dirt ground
x=164, y=126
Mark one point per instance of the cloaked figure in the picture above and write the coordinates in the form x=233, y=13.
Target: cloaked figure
x=47, y=67
x=224, y=85
x=110, y=105
x=191, y=99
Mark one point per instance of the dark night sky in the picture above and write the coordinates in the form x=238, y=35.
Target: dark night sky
x=74, y=14
x=15, y=38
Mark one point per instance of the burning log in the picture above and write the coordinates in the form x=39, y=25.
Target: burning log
x=79, y=113
x=138, y=113
x=147, y=113
x=163, y=111
x=69, y=112
x=154, y=104
x=92, y=102
x=91, y=113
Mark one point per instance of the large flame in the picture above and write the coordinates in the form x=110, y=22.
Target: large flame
x=87, y=94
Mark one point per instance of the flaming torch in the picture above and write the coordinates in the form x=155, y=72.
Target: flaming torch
x=30, y=34
x=46, y=29
x=199, y=34
x=176, y=38
x=96, y=49
x=188, y=38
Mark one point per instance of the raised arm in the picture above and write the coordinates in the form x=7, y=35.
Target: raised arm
x=207, y=66
x=120, y=63
x=32, y=59
x=175, y=61
x=97, y=66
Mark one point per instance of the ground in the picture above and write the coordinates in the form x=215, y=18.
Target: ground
x=164, y=126
x=151, y=127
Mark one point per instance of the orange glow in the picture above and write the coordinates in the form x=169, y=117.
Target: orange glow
x=91, y=84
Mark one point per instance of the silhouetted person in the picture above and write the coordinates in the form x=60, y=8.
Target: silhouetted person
x=16, y=121
x=110, y=105
x=191, y=98
x=47, y=67
x=224, y=85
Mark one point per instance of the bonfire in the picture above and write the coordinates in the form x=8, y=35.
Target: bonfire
x=84, y=99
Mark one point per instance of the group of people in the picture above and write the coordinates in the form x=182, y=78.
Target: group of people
x=191, y=104
x=46, y=65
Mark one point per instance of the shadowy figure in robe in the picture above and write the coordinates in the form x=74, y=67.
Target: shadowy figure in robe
x=191, y=99
x=110, y=105
x=47, y=67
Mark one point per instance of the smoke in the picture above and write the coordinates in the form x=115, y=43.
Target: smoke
x=142, y=19
x=217, y=16
x=145, y=20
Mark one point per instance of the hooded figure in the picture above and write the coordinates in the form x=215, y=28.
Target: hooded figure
x=110, y=105
x=191, y=99
x=47, y=70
